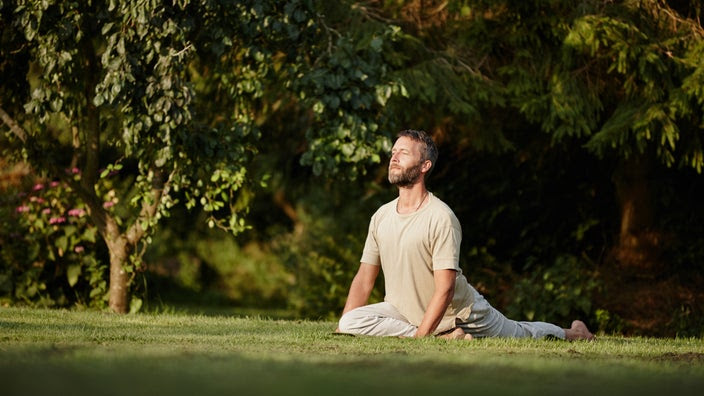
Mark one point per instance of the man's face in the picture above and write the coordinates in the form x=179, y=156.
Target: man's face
x=406, y=162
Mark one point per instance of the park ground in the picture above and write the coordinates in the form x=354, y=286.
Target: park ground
x=59, y=352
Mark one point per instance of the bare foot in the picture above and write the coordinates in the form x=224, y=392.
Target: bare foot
x=456, y=334
x=578, y=331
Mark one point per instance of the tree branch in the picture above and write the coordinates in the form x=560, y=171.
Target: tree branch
x=13, y=125
x=107, y=227
x=91, y=121
x=160, y=188
x=371, y=14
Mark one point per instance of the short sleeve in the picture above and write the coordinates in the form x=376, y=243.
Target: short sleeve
x=370, y=254
x=447, y=237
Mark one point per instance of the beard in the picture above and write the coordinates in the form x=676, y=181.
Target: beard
x=406, y=177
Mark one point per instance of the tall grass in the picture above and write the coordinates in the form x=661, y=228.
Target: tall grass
x=44, y=352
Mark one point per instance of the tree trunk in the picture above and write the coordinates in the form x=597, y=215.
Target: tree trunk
x=118, y=246
x=119, y=278
x=636, y=288
x=638, y=243
x=119, y=249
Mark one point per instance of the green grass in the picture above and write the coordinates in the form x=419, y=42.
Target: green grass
x=47, y=352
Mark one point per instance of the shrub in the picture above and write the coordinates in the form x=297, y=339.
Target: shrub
x=49, y=252
x=324, y=256
x=557, y=293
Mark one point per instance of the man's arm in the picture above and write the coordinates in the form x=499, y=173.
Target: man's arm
x=361, y=287
x=444, y=291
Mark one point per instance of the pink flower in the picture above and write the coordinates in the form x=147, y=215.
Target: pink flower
x=54, y=184
x=46, y=211
x=22, y=209
x=57, y=220
x=78, y=249
x=75, y=170
x=108, y=204
x=38, y=187
x=76, y=212
x=37, y=199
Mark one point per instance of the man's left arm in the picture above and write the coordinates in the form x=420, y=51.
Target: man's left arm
x=442, y=296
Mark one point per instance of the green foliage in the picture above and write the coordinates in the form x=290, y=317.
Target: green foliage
x=557, y=293
x=191, y=265
x=448, y=81
x=655, y=105
x=324, y=258
x=247, y=276
x=620, y=77
x=347, y=86
x=323, y=271
x=607, y=322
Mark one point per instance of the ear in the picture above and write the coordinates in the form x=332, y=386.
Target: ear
x=427, y=164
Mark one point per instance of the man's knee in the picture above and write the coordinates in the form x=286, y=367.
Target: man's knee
x=379, y=319
x=350, y=322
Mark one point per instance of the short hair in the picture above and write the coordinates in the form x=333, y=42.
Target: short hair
x=429, y=150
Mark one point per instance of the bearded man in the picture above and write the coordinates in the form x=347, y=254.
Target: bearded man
x=415, y=240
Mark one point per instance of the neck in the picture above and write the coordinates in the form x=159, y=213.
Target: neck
x=411, y=198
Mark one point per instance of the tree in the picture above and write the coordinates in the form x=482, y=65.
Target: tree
x=656, y=76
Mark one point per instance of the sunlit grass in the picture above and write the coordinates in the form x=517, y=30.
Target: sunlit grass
x=86, y=353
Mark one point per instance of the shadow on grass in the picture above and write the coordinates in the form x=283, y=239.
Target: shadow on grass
x=66, y=372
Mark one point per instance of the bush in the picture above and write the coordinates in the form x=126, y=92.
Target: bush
x=49, y=253
x=191, y=265
x=323, y=271
x=556, y=294
x=324, y=257
x=49, y=250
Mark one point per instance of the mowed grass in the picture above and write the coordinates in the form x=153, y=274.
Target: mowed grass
x=52, y=352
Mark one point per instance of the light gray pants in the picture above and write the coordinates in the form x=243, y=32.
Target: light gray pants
x=383, y=319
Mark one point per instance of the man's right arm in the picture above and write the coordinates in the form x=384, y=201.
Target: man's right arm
x=361, y=287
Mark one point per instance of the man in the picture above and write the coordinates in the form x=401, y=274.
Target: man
x=415, y=240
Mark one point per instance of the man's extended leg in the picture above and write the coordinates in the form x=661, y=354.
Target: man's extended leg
x=486, y=321
x=381, y=319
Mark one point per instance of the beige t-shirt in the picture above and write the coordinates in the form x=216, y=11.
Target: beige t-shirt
x=409, y=247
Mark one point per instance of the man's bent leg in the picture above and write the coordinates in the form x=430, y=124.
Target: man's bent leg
x=486, y=321
x=381, y=319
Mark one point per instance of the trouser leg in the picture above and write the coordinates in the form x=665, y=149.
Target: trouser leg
x=381, y=319
x=486, y=321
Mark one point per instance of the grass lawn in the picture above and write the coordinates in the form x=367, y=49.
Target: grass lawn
x=52, y=352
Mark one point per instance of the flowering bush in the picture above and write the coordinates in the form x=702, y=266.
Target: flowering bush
x=50, y=254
